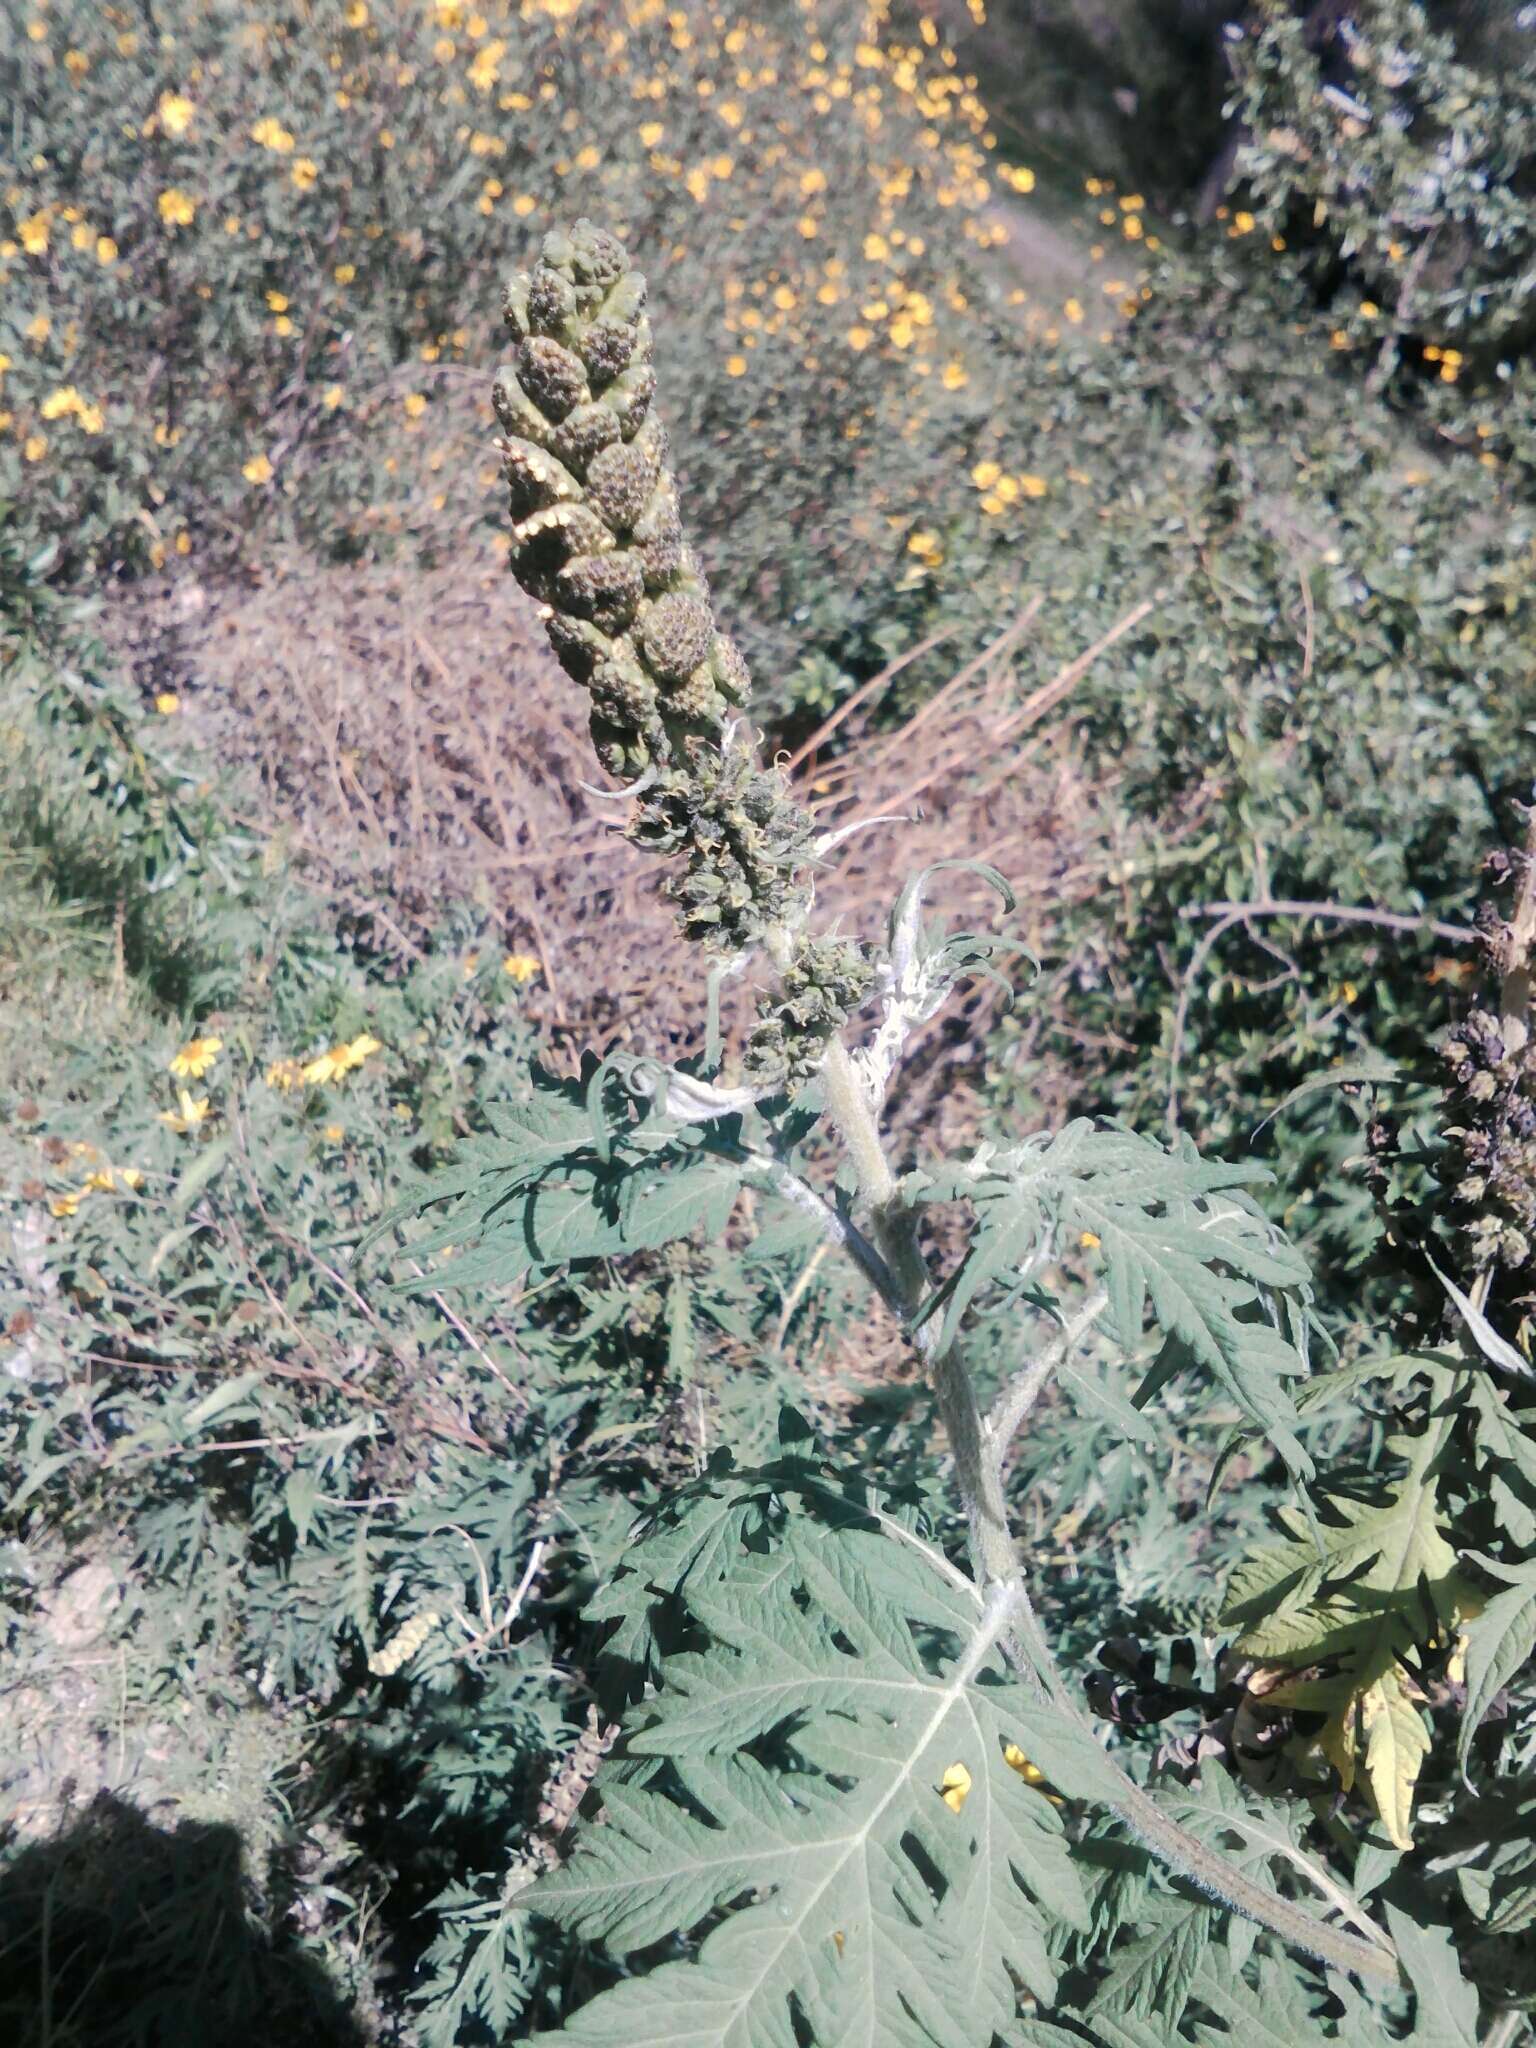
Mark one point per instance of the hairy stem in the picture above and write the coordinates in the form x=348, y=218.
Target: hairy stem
x=1179, y=1850
x=1012, y=1408
x=993, y=1555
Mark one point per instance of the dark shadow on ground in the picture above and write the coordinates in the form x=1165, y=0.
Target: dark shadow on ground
x=119, y=1934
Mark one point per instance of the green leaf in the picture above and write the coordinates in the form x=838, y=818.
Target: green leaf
x=1289, y=2008
x=855, y=1892
x=1496, y=1349
x=1499, y=1642
x=567, y=1177
x=1446, y=2014
x=1154, y=1974
x=1506, y=1457
x=1384, y=1582
x=205, y=1168
x=1175, y=1234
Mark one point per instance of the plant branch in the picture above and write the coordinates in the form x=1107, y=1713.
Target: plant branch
x=993, y=1555
x=1012, y=1407
x=994, y=1558
x=1340, y=913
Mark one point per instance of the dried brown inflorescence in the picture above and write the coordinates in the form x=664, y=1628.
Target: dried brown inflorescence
x=1491, y=1137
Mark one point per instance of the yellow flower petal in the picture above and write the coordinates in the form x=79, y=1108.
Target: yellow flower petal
x=954, y=1786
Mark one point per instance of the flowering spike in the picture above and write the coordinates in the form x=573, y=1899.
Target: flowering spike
x=597, y=541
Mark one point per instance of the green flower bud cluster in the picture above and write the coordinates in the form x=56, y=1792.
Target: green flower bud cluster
x=597, y=540
x=827, y=979
x=596, y=536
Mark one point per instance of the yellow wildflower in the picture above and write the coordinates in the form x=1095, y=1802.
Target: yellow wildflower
x=284, y=1074
x=344, y=273
x=34, y=448
x=60, y=404
x=415, y=405
x=272, y=135
x=520, y=967
x=954, y=377
x=340, y=1060
x=176, y=112
x=176, y=207
x=196, y=1057
x=334, y=1133
x=188, y=1114
x=257, y=471
x=304, y=173
x=985, y=475
x=106, y=249
x=736, y=366
x=357, y=13
x=34, y=234
x=66, y=1205
x=332, y=396
x=167, y=703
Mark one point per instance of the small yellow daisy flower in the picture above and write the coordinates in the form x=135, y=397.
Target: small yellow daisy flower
x=196, y=1057
x=188, y=1114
